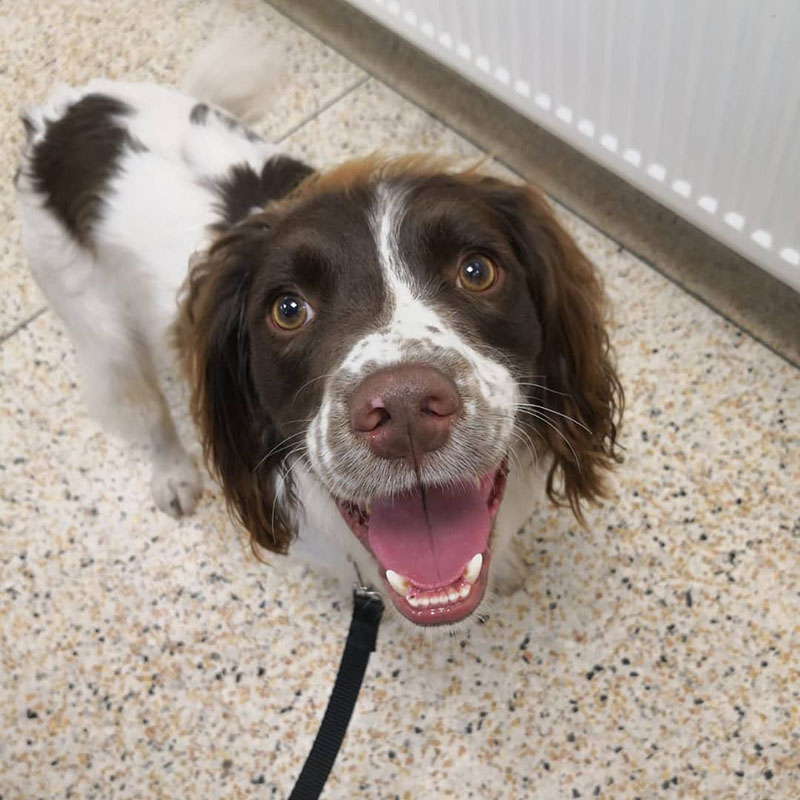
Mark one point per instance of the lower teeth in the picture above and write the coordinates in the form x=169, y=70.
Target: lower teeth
x=437, y=600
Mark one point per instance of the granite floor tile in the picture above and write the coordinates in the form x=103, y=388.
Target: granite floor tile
x=651, y=654
x=375, y=119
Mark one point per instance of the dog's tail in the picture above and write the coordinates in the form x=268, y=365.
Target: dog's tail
x=240, y=71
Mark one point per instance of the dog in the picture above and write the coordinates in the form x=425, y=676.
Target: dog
x=386, y=360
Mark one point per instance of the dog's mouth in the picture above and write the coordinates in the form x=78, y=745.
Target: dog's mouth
x=433, y=546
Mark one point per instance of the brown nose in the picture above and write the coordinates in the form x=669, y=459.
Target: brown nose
x=404, y=410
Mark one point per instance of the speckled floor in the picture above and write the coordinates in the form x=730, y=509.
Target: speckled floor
x=654, y=654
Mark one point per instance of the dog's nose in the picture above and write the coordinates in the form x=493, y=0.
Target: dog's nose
x=404, y=410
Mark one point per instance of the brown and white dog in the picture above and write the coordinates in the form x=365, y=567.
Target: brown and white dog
x=386, y=360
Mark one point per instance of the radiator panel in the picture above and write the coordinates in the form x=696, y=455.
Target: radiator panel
x=696, y=102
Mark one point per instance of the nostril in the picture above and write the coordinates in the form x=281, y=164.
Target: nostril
x=444, y=405
x=369, y=416
x=383, y=416
x=433, y=412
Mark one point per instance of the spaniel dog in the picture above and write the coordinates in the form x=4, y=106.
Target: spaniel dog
x=385, y=360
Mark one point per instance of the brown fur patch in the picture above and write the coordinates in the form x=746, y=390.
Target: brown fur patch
x=72, y=164
x=368, y=171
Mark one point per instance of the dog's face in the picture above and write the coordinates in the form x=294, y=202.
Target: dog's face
x=406, y=333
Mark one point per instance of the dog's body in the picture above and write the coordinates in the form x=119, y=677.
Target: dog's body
x=121, y=184
x=370, y=351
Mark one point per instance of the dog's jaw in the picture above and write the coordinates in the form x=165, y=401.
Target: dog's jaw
x=326, y=541
x=433, y=577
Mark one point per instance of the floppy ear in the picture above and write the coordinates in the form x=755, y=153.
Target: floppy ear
x=575, y=360
x=235, y=430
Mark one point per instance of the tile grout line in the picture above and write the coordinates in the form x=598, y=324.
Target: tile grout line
x=644, y=260
x=323, y=108
x=20, y=325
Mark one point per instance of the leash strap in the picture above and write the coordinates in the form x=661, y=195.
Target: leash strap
x=361, y=639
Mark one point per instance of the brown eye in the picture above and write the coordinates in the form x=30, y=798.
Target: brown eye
x=290, y=312
x=477, y=274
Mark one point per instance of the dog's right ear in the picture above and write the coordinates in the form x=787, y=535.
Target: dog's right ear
x=236, y=432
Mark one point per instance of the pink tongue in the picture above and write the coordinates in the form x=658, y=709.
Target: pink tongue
x=430, y=555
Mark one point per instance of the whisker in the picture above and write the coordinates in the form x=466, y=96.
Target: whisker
x=529, y=376
x=523, y=437
x=283, y=443
x=550, y=424
x=293, y=421
x=313, y=380
x=525, y=406
x=544, y=388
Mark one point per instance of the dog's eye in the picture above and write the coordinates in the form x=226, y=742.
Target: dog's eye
x=290, y=312
x=477, y=274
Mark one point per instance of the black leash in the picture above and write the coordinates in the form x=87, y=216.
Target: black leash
x=367, y=612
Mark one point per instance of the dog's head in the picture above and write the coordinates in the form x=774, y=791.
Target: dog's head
x=405, y=332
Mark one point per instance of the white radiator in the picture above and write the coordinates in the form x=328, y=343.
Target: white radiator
x=696, y=102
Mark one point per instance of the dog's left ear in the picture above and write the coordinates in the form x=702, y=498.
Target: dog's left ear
x=576, y=361
x=213, y=341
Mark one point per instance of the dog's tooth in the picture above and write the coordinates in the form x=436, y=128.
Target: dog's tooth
x=452, y=595
x=424, y=601
x=464, y=590
x=398, y=582
x=473, y=569
x=413, y=602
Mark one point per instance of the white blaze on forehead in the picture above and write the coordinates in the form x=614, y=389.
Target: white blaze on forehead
x=385, y=221
x=410, y=316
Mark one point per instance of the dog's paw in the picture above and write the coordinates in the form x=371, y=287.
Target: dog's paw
x=509, y=570
x=176, y=485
